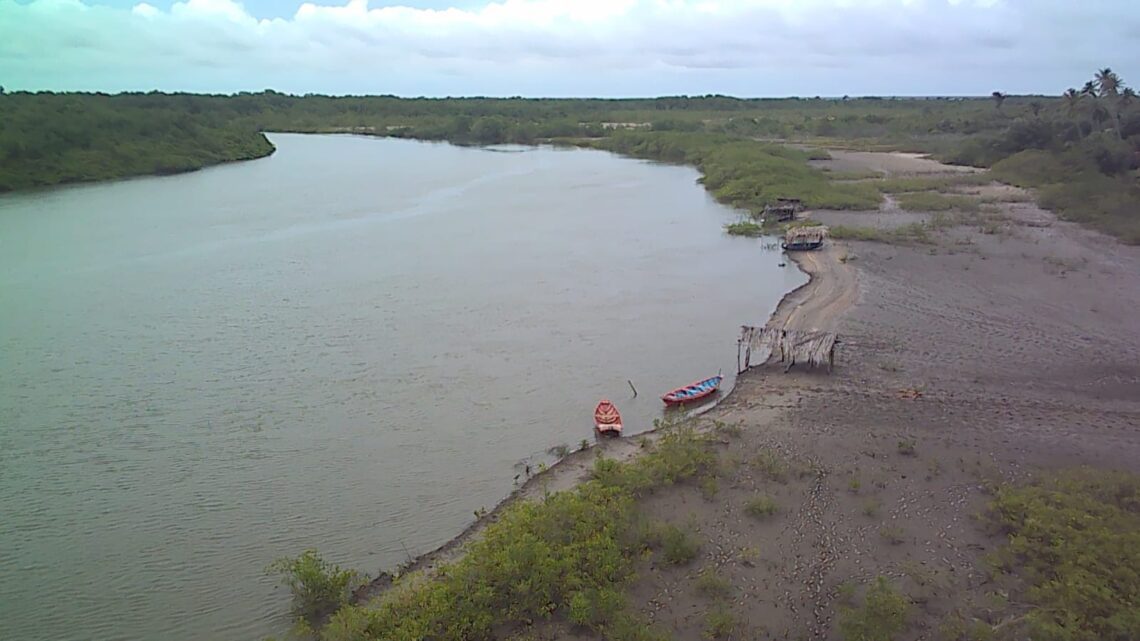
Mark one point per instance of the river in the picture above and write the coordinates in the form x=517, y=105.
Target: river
x=349, y=345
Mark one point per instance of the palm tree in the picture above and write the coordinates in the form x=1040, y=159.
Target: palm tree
x=1073, y=101
x=1089, y=89
x=999, y=98
x=1107, y=83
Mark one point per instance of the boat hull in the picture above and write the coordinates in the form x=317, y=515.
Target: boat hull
x=799, y=247
x=607, y=419
x=696, y=392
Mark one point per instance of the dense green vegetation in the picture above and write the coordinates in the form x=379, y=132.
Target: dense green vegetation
x=744, y=173
x=564, y=558
x=48, y=139
x=1075, y=539
x=319, y=588
x=1081, y=153
x=882, y=616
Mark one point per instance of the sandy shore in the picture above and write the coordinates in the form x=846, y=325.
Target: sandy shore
x=993, y=352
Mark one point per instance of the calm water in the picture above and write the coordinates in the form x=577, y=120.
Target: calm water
x=348, y=346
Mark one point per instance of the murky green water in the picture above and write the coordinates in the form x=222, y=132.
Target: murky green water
x=348, y=346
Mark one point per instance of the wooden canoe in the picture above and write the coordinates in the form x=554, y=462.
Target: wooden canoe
x=694, y=392
x=607, y=419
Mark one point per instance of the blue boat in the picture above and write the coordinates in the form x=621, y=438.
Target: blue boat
x=694, y=392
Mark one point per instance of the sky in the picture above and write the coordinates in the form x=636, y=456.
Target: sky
x=558, y=48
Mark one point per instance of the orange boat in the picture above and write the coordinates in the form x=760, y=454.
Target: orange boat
x=607, y=419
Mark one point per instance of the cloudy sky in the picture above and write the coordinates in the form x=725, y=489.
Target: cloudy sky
x=568, y=47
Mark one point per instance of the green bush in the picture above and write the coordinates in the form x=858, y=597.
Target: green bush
x=712, y=585
x=1073, y=185
x=745, y=173
x=678, y=546
x=318, y=587
x=882, y=618
x=745, y=228
x=567, y=556
x=1075, y=538
x=719, y=623
x=760, y=507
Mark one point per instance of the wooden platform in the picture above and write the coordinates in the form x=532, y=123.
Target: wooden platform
x=759, y=345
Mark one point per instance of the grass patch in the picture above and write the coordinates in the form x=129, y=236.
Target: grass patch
x=709, y=487
x=933, y=201
x=750, y=556
x=892, y=534
x=911, y=234
x=712, y=585
x=731, y=430
x=761, y=507
x=745, y=173
x=745, y=228
x=1071, y=185
x=1075, y=539
x=771, y=465
x=906, y=447
x=678, y=546
x=871, y=507
x=719, y=623
x=930, y=183
x=882, y=617
x=864, y=174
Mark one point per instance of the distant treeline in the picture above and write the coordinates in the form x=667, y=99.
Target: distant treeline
x=51, y=138
x=1081, y=149
x=48, y=139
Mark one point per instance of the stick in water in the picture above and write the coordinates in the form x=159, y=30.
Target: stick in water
x=632, y=387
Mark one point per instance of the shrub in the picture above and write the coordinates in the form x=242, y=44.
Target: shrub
x=678, y=546
x=906, y=447
x=1075, y=538
x=761, y=506
x=719, y=623
x=712, y=585
x=772, y=465
x=892, y=534
x=882, y=618
x=318, y=587
x=745, y=228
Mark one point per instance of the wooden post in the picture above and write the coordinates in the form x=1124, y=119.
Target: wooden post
x=632, y=387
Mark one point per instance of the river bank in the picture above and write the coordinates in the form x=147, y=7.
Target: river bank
x=987, y=353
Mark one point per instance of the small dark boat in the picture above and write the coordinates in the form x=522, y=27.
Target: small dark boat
x=694, y=392
x=804, y=238
x=607, y=419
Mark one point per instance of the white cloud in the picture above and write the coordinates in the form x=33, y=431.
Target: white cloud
x=610, y=47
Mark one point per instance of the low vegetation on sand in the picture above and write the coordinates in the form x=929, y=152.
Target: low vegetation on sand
x=1071, y=546
x=1082, y=154
x=564, y=558
x=745, y=173
x=882, y=617
x=319, y=588
x=1074, y=540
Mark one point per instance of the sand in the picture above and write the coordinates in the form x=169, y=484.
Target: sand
x=1001, y=351
x=995, y=353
